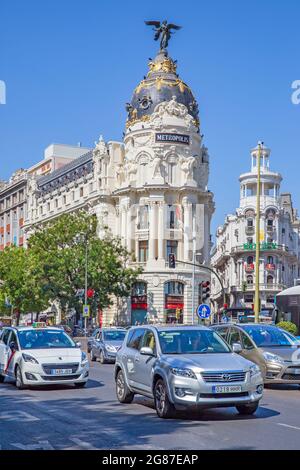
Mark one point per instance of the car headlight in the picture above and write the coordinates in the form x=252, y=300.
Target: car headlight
x=183, y=373
x=270, y=357
x=110, y=348
x=28, y=358
x=254, y=370
x=84, y=358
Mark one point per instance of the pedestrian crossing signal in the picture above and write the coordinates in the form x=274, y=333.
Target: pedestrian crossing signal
x=172, y=261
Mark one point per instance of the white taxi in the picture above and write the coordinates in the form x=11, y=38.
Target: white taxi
x=41, y=355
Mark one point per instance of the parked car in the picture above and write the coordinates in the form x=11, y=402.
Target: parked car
x=187, y=366
x=66, y=328
x=41, y=356
x=274, y=350
x=106, y=344
x=91, y=339
x=78, y=332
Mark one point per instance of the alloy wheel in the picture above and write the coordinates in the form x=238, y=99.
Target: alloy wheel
x=120, y=385
x=160, y=395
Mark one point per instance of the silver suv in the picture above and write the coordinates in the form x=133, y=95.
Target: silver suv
x=184, y=366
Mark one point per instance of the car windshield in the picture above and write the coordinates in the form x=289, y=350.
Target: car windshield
x=268, y=336
x=191, y=342
x=114, y=335
x=45, y=339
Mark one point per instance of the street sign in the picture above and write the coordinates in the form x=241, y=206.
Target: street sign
x=86, y=311
x=203, y=311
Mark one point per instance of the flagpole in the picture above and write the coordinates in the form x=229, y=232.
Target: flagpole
x=257, y=248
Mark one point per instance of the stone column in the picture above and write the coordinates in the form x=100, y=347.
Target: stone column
x=160, y=230
x=129, y=228
x=123, y=225
x=152, y=230
x=187, y=228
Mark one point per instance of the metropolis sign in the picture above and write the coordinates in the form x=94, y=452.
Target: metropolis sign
x=172, y=138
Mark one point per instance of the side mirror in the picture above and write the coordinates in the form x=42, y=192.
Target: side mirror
x=237, y=348
x=78, y=345
x=13, y=346
x=145, y=351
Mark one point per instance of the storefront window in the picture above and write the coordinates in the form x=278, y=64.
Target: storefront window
x=174, y=301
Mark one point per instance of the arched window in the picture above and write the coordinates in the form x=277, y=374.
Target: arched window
x=270, y=260
x=270, y=280
x=250, y=280
x=174, y=288
x=139, y=288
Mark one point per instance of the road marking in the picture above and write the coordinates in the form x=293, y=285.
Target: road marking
x=42, y=445
x=288, y=426
x=17, y=416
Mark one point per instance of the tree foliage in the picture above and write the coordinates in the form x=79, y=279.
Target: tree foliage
x=58, y=251
x=19, y=291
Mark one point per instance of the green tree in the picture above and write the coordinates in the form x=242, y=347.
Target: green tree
x=19, y=291
x=58, y=251
x=288, y=326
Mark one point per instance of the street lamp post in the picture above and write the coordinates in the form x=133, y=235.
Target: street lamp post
x=257, y=248
x=85, y=283
x=193, y=275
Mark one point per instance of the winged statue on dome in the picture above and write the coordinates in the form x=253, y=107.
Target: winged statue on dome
x=162, y=31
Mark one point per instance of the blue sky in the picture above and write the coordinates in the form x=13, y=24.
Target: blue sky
x=71, y=65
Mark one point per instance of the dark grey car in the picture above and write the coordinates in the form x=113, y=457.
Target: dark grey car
x=106, y=344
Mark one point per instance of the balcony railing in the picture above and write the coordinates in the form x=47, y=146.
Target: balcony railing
x=270, y=267
x=264, y=246
x=262, y=287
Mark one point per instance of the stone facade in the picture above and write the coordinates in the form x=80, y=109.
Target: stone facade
x=234, y=254
x=151, y=191
x=14, y=193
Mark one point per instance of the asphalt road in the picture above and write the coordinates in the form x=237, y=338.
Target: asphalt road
x=92, y=418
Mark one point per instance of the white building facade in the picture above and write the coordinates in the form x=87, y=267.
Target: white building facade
x=151, y=191
x=233, y=256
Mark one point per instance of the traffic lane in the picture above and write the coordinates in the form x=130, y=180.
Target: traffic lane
x=68, y=418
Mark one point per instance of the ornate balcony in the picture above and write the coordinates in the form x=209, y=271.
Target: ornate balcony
x=249, y=230
x=249, y=268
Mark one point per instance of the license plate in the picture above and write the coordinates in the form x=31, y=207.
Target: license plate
x=61, y=371
x=226, y=389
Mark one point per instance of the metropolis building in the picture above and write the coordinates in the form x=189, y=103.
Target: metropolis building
x=151, y=190
x=233, y=256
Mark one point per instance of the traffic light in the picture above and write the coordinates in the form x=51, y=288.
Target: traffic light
x=172, y=261
x=205, y=292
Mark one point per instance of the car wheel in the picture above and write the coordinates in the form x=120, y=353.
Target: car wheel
x=80, y=384
x=102, y=357
x=19, y=379
x=247, y=409
x=164, y=408
x=124, y=395
x=92, y=356
x=2, y=378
